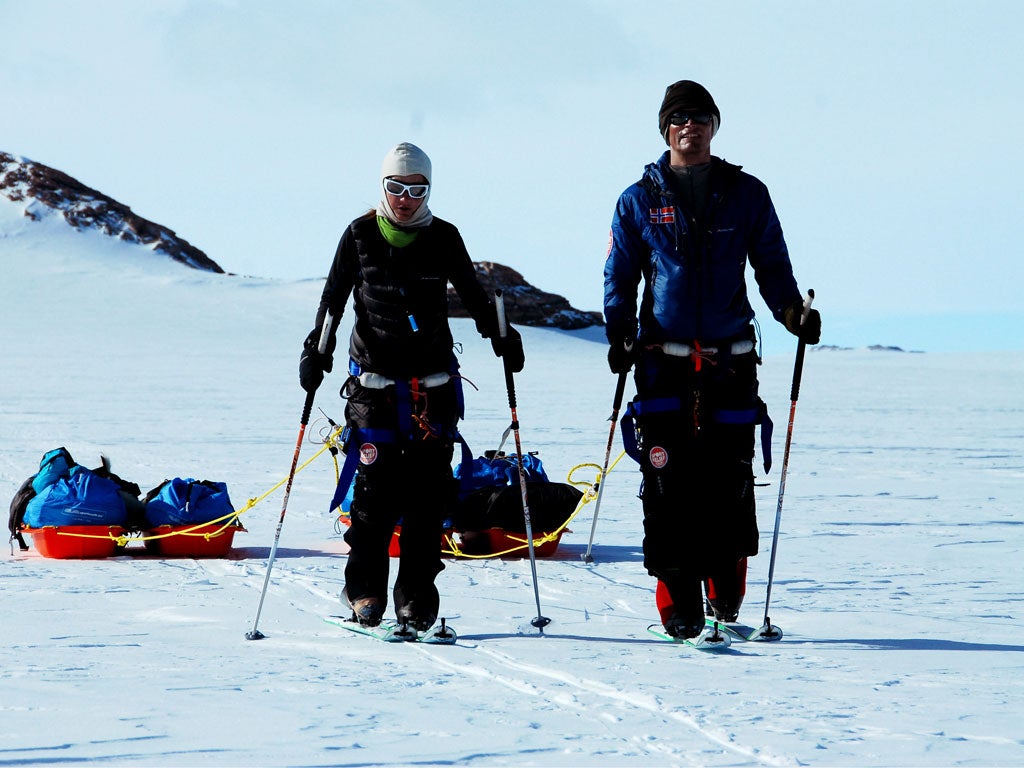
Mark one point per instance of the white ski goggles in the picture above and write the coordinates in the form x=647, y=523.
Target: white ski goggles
x=397, y=188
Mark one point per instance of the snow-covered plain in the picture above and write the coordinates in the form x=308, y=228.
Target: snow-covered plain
x=898, y=581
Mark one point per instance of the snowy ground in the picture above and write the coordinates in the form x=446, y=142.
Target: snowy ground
x=898, y=582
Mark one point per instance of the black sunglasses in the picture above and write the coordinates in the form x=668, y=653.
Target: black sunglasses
x=680, y=118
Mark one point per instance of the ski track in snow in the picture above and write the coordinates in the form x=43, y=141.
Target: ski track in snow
x=471, y=657
x=626, y=699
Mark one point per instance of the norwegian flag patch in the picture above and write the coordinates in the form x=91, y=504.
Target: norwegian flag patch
x=663, y=215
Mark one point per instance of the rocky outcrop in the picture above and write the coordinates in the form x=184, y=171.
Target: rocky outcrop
x=45, y=191
x=524, y=304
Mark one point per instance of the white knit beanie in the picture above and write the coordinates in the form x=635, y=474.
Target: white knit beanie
x=406, y=160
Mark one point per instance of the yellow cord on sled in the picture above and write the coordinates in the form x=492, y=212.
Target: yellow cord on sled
x=331, y=443
x=452, y=546
x=230, y=520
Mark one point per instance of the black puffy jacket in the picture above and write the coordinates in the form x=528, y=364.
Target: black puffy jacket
x=400, y=297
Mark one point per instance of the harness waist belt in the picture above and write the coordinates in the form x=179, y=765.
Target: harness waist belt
x=676, y=349
x=372, y=380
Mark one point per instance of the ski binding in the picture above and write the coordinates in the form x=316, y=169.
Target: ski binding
x=711, y=640
x=766, y=633
x=393, y=632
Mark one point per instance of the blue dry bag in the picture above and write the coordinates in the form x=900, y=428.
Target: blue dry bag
x=81, y=498
x=184, y=501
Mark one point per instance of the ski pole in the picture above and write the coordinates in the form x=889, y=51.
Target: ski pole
x=325, y=334
x=767, y=630
x=499, y=302
x=620, y=388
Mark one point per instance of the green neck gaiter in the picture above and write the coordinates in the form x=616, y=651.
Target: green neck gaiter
x=397, y=237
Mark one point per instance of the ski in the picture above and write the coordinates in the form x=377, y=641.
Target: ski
x=767, y=633
x=439, y=634
x=392, y=632
x=711, y=640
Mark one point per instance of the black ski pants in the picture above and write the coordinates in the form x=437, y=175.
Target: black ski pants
x=408, y=482
x=698, y=495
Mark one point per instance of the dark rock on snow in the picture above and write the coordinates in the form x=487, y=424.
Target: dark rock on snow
x=524, y=304
x=82, y=207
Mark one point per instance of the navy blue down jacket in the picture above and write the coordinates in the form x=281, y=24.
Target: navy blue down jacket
x=693, y=270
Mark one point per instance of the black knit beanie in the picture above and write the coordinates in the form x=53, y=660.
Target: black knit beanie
x=683, y=96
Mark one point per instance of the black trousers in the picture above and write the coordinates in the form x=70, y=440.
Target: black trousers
x=406, y=481
x=698, y=490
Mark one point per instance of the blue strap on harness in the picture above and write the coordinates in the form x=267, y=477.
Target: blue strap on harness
x=638, y=408
x=403, y=401
x=627, y=425
x=354, y=438
x=759, y=416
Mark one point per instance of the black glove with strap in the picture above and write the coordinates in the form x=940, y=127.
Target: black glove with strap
x=809, y=331
x=313, y=364
x=622, y=355
x=510, y=349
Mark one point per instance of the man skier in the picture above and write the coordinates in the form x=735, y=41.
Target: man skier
x=688, y=229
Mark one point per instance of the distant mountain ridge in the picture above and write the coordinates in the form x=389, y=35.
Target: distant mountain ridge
x=43, y=191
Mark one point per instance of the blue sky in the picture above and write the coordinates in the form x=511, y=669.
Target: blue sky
x=885, y=131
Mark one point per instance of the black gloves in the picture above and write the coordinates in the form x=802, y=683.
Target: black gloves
x=510, y=349
x=313, y=364
x=622, y=355
x=810, y=331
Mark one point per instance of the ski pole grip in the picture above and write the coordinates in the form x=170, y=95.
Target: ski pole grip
x=499, y=306
x=620, y=385
x=325, y=333
x=798, y=367
x=321, y=347
x=510, y=386
x=807, y=305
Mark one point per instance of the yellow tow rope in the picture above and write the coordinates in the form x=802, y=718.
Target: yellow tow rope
x=230, y=520
x=589, y=495
x=331, y=443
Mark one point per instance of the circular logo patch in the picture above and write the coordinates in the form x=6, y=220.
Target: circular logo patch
x=659, y=457
x=367, y=453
